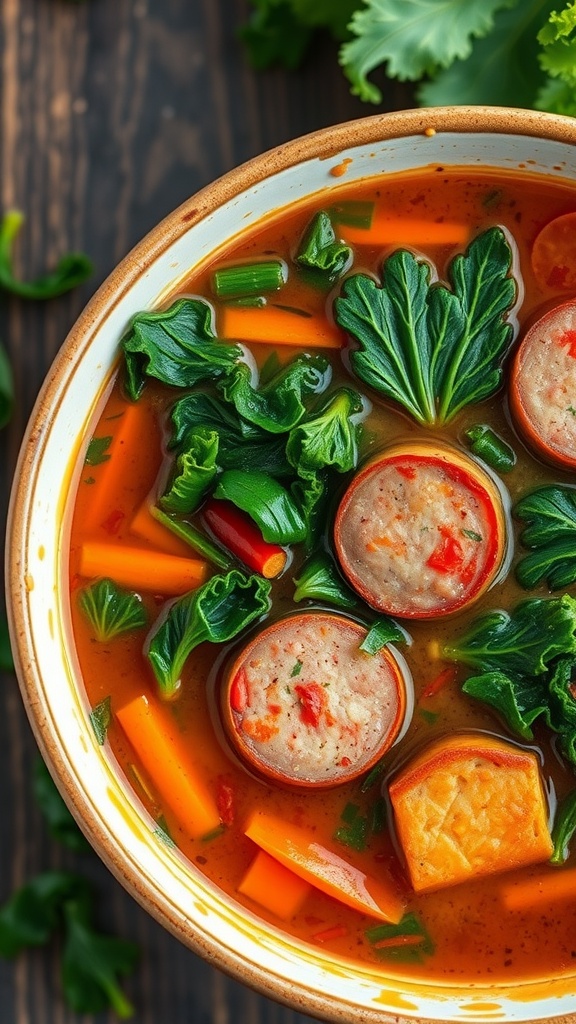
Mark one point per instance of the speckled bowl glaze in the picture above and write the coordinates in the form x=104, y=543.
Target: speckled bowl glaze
x=210, y=922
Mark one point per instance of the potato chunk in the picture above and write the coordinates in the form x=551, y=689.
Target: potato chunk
x=469, y=805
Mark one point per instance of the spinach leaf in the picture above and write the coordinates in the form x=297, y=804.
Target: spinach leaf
x=519, y=700
x=311, y=496
x=431, y=349
x=319, y=580
x=564, y=828
x=59, y=820
x=91, y=962
x=383, y=631
x=71, y=271
x=550, y=513
x=111, y=610
x=320, y=251
x=266, y=502
x=330, y=438
x=6, y=388
x=176, y=346
x=195, y=472
x=278, y=406
x=100, y=719
x=217, y=611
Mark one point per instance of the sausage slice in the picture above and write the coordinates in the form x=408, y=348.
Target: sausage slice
x=420, y=532
x=303, y=704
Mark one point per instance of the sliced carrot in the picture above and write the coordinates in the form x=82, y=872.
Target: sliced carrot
x=145, y=526
x=110, y=475
x=274, y=886
x=169, y=762
x=141, y=569
x=554, y=254
x=316, y=863
x=278, y=327
x=557, y=886
x=386, y=229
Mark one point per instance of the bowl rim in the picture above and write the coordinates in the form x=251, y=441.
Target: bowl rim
x=324, y=144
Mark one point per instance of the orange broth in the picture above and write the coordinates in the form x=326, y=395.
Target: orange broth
x=474, y=937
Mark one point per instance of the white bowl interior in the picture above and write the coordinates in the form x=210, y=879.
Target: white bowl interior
x=182, y=898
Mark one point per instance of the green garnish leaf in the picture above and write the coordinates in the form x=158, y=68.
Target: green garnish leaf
x=6, y=388
x=431, y=349
x=32, y=913
x=430, y=717
x=111, y=610
x=550, y=513
x=320, y=251
x=72, y=270
x=92, y=962
x=319, y=580
x=176, y=346
x=162, y=832
x=558, y=58
x=408, y=941
x=194, y=473
x=472, y=535
x=311, y=496
x=58, y=818
x=487, y=445
x=330, y=437
x=217, y=611
x=355, y=828
x=278, y=405
x=383, y=631
x=100, y=719
x=6, y=659
x=266, y=502
x=564, y=828
x=97, y=450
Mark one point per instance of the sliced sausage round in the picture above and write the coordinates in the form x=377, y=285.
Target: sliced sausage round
x=543, y=386
x=304, y=705
x=421, y=531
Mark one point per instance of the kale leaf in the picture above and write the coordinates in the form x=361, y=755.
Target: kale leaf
x=194, y=472
x=329, y=438
x=278, y=406
x=550, y=513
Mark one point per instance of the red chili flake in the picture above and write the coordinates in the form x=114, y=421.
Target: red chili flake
x=312, y=700
x=337, y=931
x=408, y=471
x=239, y=692
x=568, y=338
x=345, y=762
x=274, y=709
x=112, y=522
x=225, y=801
x=448, y=555
x=447, y=675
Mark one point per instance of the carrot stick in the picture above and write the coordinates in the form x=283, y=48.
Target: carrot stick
x=385, y=229
x=299, y=851
x=274, y=886
x=243, y=538
x=141, y=569
x=145, y=526
x=169, y=762
x=278, y=327
x=109, y=475
x=556, y=886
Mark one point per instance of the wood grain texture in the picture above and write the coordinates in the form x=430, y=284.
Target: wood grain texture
x=112, y=113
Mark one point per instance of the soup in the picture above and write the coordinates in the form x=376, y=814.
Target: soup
x=321, y=573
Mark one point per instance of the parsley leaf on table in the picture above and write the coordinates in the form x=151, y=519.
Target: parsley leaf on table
x=60, y=822
x=72, y=269
x=280, y=31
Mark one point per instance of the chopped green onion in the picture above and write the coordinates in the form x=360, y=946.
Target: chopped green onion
x=197, y=540
x=249, y=302
x=353, y=213
x=249, y=279
x=489, y=447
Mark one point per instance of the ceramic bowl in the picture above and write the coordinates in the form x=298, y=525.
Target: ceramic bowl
x=167, y=885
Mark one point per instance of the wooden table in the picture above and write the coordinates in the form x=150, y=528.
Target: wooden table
x=112, y=113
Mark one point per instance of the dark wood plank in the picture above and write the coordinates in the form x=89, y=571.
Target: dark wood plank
x=112, y=113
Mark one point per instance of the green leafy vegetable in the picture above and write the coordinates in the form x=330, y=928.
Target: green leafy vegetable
x=100, y=719
x=266, y=502
x=311, y=496
x=558, y=58
x=195, y=471
x=6, y=388
x=217, y=612
x=319, y=580
x=320, y=251
x=383, y=631
x=487, y=445
x=97, y=450
x=526, y=662
x=111, y=610
x=355, y=828
x=278, y=406
x=60, y=822
x=72, y=270
x=550, y=513
x=280, y=31
x=247, y=280
x=408, y=941
x=564, y=828
x=197, y=540
x=431, y=349
x=6, y=660
x=62, y=901
x=329, y=438
x=176, y=346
